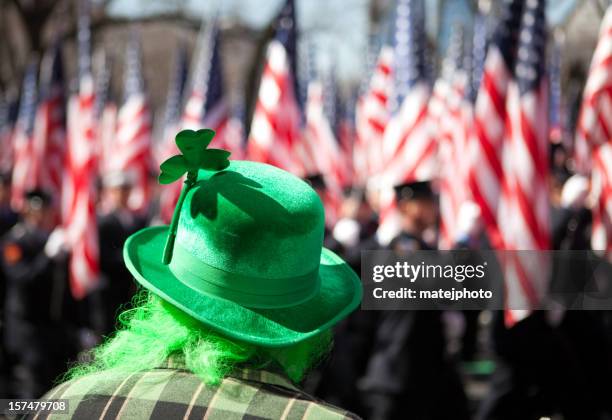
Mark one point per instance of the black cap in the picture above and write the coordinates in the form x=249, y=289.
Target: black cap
x=560, y=175
x=37, y=199
x=354, y=193
x=414, y=191
x=5, y=178
x=315, y=181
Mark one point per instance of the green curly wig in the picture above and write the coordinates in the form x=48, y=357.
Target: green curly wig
x=154, y=330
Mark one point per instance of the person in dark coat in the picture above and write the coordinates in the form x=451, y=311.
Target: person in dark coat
x=548, y=365
x=408, y=374
x=353, y=233
x=8, y=219
x=116, y=222
x=39, y=334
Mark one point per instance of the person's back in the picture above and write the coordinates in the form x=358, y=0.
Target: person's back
x=172, y=392
x=38, y=334
x=239, y=303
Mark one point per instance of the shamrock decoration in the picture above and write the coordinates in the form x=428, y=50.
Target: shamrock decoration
x=195, y=156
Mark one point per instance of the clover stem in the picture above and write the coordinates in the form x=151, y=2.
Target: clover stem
x=169, y=247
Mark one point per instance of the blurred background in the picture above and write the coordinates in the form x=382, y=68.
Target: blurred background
x=341, y=35
x=439, y=124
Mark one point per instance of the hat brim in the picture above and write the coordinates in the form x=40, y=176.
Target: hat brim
x=339, y=294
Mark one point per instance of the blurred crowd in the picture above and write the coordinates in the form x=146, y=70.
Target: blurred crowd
x=385, y=364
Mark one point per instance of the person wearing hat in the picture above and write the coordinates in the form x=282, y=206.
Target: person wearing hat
x=418, y=208
x=116, y=222
x=408, y=374
x=318, y=183
x=39, y=331
x=8, y=217
x=572, y=381
x=238, y=301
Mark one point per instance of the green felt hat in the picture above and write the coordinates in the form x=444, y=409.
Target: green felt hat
x=244, y=254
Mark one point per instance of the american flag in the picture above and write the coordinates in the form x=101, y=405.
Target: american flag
x=408, y=148
x=6, y=131
x=480, y=36
x=176, y=88
x=455, y=194
x=333, y=103
x=325, y=149
x=23, y=138
x=345, y=132
x=594, y=134
x=485, y=174
x=601, y=187
x=524, y=209
x=50, y=126
x=105, y=112
x=324, y=155
x=450, y=117
x=277, y=121
x=556, y=111
x=308, y=63
x=79, y=192
x=171, y=125
x=306, y=148
x=199, y=75
x=171, y=121
x=102, y=82
x=234, y=136
x=132, y=143
x=205, y=106
x=372, y=116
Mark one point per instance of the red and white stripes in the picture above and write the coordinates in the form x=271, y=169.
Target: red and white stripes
x=275, y=130
x=131, y=151
x=409, y=154
x=485, y=174
x=451, y=113
x=79, y=196
x=409, y=149
x=524, y=210
x=601, y=190
x=372, y=117
x=327, y=156
x=48, y=145
x=594, y=134
x=23, y=165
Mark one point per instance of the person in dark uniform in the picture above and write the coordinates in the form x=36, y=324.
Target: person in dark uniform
x=8, y=218
x=408, y=374
x=588, y=331
x=317, y=182
x=547, y=365
x=116, y=222
x=39, y=335
x=353, y=233
x=470, y=236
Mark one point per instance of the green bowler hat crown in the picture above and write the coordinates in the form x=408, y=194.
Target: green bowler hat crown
x=244, y=251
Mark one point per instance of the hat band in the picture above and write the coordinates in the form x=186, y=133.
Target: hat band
x=254, y=292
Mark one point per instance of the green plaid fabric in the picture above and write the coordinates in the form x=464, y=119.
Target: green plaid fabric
x=171, y=392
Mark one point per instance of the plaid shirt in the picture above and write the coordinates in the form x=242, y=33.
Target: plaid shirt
x=172, y=392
